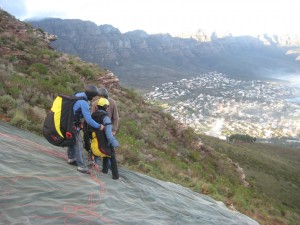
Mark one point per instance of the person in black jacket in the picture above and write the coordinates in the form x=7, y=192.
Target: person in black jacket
x=103, y=143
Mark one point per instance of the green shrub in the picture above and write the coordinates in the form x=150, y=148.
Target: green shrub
x=194, y=156
x=40, y=30
x=46, y=103
x=20, y=45
x=2, y=89
x=35, y=127
x=14, y=91
x=50, y=53
x=7, y=103
x=34, y=114
x=20, y=120
x=12, y=58
x=188, y=136
x=35, y=74
x=87, y=73
x=45, y=86
x=19, y=81
x=39, y=67
x=241, y=137
x=132, y=94
x=197, y=186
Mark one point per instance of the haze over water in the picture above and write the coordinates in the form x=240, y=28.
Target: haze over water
x=293, y=80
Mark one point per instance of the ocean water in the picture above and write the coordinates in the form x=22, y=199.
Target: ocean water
x=294, y=100
x=292, y=80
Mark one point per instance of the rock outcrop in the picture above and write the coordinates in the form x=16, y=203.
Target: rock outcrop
x=108, y=80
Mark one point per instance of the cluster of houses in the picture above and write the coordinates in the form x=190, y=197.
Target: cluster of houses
x=218, y=105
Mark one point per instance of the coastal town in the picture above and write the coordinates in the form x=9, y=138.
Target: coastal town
x=218, y=105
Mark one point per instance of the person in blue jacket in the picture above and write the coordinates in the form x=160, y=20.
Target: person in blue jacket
x=81, y=110
x=104, y=143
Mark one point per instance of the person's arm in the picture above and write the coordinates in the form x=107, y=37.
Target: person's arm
x=112, y=141
x=87, y=115
x=114, y=116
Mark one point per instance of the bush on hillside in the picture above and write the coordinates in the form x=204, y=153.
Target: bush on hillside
x=7, y=103
x=241, y=137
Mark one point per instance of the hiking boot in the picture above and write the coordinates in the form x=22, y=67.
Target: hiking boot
x=82, y=169
x=72, y=162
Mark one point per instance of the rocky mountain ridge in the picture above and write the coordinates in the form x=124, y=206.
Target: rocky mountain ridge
x=277, y=40
x=143, y=60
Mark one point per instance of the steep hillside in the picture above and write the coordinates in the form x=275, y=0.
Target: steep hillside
x=143, y=60
x=152, y=142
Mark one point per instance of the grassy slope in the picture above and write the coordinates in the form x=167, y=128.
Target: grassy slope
x=272, y=171
x=153, y=143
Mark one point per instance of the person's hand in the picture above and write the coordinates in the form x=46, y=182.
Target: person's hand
x=102, y=127
x=114, y=133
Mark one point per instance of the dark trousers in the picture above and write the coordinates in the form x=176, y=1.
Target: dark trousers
x=114, y=166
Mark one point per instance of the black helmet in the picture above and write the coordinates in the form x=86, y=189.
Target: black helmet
x=91, y=91
x=103, y=92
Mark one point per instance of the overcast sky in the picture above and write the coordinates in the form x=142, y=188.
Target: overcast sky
x=239, y=17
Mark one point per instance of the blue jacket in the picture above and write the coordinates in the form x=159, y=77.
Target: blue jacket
x=81, y=109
